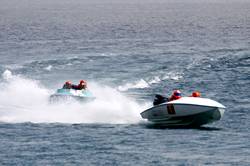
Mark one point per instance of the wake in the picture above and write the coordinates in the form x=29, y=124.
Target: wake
x=26, y=100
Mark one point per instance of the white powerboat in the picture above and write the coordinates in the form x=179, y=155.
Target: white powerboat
x=185, y=112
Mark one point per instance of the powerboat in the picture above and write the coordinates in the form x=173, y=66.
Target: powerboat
x=185, y=112
x=69, y=94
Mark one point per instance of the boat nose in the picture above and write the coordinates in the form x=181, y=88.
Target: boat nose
x=217, y=115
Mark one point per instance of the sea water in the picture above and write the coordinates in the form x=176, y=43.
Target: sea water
x=128, y=51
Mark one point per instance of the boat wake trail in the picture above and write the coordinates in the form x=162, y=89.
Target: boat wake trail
x=26, y=100
x=148, y=81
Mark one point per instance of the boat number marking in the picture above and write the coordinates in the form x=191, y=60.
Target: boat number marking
x=170, y=108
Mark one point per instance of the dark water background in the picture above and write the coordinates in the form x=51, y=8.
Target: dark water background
x=128, y=51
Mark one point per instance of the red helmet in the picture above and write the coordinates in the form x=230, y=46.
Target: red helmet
x=83, y=82
x=68, y=83
x=177, y=93
x=196, y=94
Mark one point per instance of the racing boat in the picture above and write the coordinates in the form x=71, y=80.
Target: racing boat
x=68, y=94
x=185, y=112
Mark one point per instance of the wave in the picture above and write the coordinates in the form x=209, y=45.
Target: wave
x=146, y=83
x=26, y=100
x=48, y=68
x=135, y=85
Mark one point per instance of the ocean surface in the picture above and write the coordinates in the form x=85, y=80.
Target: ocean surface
x=127, y=51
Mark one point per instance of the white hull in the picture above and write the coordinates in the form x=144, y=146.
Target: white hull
x=187, y=111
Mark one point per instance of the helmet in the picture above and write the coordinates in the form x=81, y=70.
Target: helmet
x=68, y=83
x=82, y=81
x=177, y=93
x=196, y=94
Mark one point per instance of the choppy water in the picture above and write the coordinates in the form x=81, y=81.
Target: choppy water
x=128, y=51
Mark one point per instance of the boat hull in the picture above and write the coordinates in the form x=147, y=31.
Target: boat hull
x=69, y=94
x=61, y=98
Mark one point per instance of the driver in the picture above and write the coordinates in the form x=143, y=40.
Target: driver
x=175, y=95
x=82, y=85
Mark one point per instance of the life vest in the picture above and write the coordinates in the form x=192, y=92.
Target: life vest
x=77, y=87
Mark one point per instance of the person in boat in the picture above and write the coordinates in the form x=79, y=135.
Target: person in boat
x=67, y=85
x=159, y=99
x=196, y=94
x=162, y=99
x=82, y=85
x=175, y=95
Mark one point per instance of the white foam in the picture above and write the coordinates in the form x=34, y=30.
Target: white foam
x=48, y=68
x=173, y=76
x=147, y=82
x=7, y=75
x=26, y=100
x=136, y=85
x=155, y=80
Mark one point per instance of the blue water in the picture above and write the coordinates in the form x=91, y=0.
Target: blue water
x=127, y=51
